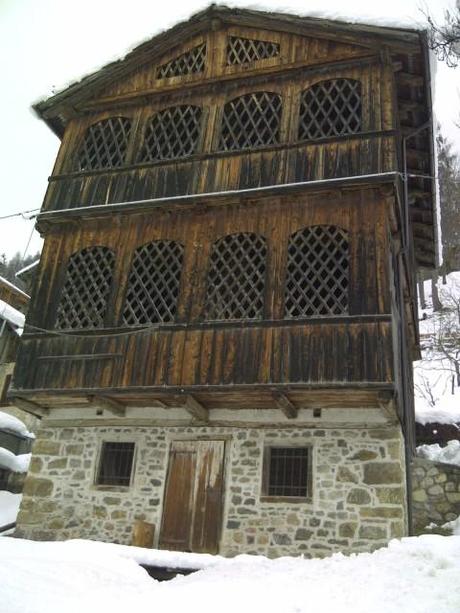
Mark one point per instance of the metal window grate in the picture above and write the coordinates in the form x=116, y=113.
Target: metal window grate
x=288, y=471
x=86, y=288
x=153, y=284
x=251, y=120
x=172, y=133
x=244, y=50
x=105, y=144
x=116, y=464
x=187, y=63
x=317, y=272
x=236, y=278
x=330, y=108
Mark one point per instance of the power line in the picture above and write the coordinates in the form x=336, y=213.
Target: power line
x=21, y=214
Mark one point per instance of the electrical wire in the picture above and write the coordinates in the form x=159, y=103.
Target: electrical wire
x=22, y=214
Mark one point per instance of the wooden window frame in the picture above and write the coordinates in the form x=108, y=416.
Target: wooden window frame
x=115, y=486
x=265, y=496
x=6, y=386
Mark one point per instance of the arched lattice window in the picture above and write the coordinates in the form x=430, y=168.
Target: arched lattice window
x=172, y=133
x=251, y=120
x=153, y=284
x=105, y=144
x=244, y=50
x=187, y=63
x=236, y=278
x=317, y=272
x=86, y=289
x=330, y=108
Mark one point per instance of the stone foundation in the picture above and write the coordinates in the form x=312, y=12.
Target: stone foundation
x=358, y=498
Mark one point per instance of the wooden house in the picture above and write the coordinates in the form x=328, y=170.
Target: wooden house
x=224, y=317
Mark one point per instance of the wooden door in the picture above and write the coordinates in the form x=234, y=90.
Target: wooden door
x=193, y=501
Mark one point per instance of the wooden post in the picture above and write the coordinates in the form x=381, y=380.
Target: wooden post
x=143, y=534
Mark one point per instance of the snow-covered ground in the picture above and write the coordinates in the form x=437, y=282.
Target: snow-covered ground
x=437, y=397
x=450, y=454
x=420, y=575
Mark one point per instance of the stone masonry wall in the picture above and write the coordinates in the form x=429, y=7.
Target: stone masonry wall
x=358, y=489
x=435, y=493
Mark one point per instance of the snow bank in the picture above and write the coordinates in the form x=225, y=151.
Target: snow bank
x=16, y=463
x=420, y=575
x=13, y=424
x=9, y=507
x=448, y=455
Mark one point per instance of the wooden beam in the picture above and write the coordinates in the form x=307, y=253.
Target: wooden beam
x=196, y=409
x=30, y=407
x=113, y=406
x=159, y=404
x=410, y=78
x=285, y=405
x=387, y=405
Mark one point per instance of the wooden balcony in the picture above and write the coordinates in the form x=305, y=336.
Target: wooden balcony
x=222, y=365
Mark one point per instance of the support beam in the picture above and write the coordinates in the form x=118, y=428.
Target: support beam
x=387, y=406
x=159, y=404
x=113, y=406
x=285, y=405
x=196, y=409
x=30, y=407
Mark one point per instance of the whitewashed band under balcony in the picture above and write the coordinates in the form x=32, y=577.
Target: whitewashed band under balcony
x=317, y=275
x=189, y=62
x=153, y=284
x=330, y=108
x=245, y=50
x=87, y=284
x=105, y=144
x=252, y=120
x=236, y=278
x=172, y=133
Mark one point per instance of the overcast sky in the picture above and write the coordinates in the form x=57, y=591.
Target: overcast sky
x=45, y=44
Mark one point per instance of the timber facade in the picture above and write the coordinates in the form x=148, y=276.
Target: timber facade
x=232, y=230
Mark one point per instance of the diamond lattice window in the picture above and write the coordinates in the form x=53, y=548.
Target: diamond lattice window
x=187, y=63
x=105, y=144
x=244, y=50
x=236, y=278
x=86, y=289
x=153, y=284
x=317, y=272
x=251, y=121
x=330, y=108
x=172, y=133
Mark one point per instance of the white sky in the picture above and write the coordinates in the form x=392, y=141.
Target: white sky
x=47, y=43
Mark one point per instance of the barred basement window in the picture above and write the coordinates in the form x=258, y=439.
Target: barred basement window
x=330, y=108
x=105, y=144
x=251, y=120
x=244, y=50
x=187, y=63
x=153, y=284
x=172, y=133
x=86, y=288
x=116, y=464
x=286, y=472
x=236, y=279
x=317, y=272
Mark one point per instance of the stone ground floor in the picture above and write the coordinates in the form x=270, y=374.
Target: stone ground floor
x=351, y=484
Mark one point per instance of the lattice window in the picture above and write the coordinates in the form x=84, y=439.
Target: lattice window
x=153, y=284
x=244, y=50
x=287, y=472
x=330, y=108
x=116, y=464
x=251, y=121
x=86, y=289
x=105, y=144
x=317, y=272
x=187, y=63
x=236, y=278
x=172, y=133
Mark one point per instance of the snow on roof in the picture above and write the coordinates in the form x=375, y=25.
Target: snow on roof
x=27, y=268
x=13, y=424
x=16, y=463
x=353, y=16
x=13, y=287
x=12, y=316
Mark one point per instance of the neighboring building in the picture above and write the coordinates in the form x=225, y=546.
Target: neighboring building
x=224, y=311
